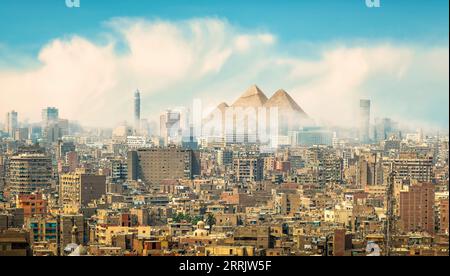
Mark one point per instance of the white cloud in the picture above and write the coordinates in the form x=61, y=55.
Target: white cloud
x=173, y=62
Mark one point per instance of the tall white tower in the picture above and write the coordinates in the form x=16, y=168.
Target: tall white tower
x=137, y=111
x=364, y=121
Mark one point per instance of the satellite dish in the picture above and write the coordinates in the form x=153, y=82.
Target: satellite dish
x=373, y=249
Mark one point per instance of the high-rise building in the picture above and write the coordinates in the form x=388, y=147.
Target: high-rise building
x=29, y=173
x=443, y=215
x=35, y=132
x=157, y=164
x=417, y=208
x=248, y=169
x=410, y=167
x=50, y=115
x=12, y=123
x=224, y=157
x=370, y=170
x=52, y=133
x=71, y=160
x=52, y=130
x=63, y=148
x=64, y=128
x=80, y=188
x=170, y=127
x=383, y=129
x=137, y=111
x=21, y=134
x=119, y=171
x=364, y=121
x=314, y=136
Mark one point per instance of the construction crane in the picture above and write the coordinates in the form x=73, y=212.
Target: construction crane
x=389, y=227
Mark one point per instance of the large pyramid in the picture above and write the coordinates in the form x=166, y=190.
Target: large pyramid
x=284, y=102
x=290, y=115
x=253, y=97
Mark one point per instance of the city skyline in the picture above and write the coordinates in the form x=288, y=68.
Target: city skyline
x=404, y=75
x=224, y=128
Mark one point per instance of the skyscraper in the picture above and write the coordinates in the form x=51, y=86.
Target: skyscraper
x=50, y=115
x=11, y=123
x=29, y=172
x=137, y=110
x=170, y=126
x=383, y=128
x=364, y=121
x=50, y=124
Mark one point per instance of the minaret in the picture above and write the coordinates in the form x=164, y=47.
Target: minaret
x=137, y=111
x=74, y=234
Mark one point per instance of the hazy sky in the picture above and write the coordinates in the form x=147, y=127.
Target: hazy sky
x=326, y=53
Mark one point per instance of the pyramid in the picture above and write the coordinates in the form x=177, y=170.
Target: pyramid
x=284, y=102
x=253, y=97
x=222, y=107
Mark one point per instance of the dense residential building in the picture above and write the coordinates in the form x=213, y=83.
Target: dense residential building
x=370, y=170
x=444, y=216
x=417, y=208
x=14, y=243
x=119, y=170
x=80, y=188
x=129, y=135
x=155, y=165
x=63, y=148
x=248, y=169
x=43, y=230
x=317, y=191
x=32, y=205
x=409, y=166
x=28, y=173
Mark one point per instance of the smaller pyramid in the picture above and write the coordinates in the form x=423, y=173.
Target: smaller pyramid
x=284, y=101
x=222, y=107
x=253, y=97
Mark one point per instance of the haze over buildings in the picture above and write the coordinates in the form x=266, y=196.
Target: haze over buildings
x=248, y=135
x=326, y=78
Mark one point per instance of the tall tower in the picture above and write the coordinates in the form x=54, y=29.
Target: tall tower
x=50, y=115
x=137, y=111
x=12, y=123
x=364, y=121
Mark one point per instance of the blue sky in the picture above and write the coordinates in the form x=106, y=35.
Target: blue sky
x=28, y=24
x=321, y=51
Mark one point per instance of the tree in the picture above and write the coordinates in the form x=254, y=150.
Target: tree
x=210, y=221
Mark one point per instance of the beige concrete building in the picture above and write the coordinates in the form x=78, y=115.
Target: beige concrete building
x=105, y=234
x=79, y=188
x=29, y=173
x=248, y=169
x=408, y=166
x=222, y=250
x=152, y=166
